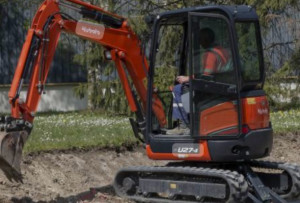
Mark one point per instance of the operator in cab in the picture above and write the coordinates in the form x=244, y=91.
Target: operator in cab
x=213, y=60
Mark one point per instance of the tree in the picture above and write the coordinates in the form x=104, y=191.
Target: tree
x=270, y=12
x=103, y=87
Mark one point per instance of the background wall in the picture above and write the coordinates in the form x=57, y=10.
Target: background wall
x=58, y=97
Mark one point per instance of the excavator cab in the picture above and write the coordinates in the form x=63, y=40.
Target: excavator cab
x=227, y=110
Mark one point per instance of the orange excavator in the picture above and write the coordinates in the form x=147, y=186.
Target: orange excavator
x=228, y=113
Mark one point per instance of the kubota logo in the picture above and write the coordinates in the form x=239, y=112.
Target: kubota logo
x=90, y=30
x=262, y=111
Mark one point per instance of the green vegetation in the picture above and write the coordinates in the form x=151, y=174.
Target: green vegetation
x=79, y=130
x=276, y=90
x=286, y=121
x=90, y=129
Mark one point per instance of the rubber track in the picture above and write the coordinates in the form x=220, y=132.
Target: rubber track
x=292, y=169
x=236, y=182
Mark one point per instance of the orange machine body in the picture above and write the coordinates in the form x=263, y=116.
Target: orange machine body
x=124, y=47
x=255, y=115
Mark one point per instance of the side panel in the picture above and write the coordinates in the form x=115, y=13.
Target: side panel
x=219, y=118
x=222, y=118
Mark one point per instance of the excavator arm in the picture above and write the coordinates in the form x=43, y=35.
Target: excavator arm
x=122, y=46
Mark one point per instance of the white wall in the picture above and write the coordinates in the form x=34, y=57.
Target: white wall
x=57, y=98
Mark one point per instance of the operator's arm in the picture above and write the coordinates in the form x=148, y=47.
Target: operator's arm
x=182, y=79
x=209, y=64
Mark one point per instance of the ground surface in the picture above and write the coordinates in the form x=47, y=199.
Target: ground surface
x=68, y=176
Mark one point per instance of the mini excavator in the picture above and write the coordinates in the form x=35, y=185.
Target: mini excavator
x=228, y=110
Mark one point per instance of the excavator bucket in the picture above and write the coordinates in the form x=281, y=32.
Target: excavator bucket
x=11, y=147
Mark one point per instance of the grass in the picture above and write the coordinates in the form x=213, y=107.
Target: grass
x=90, y=129
x=286, y=121
x=78, y=130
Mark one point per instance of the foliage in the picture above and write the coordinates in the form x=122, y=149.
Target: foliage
x=164, y=79
x=278, y=86
x=169, y=44
x=99, y=73
x=110, y=96
x=140, y=27
x=168, y=73
x=93, y=59
x=248, y=51
x=107, y=93
x=81, y=90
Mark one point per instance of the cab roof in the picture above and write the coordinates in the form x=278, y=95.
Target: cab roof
x=235, y=13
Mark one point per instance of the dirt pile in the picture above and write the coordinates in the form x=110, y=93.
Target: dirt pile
x=69, y=176
x=85, y=176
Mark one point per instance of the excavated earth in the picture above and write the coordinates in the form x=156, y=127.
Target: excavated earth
x=86, y=176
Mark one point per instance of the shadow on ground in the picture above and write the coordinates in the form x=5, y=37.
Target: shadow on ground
x=101, y=194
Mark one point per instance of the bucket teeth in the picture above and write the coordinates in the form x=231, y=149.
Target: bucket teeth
x=11, y=147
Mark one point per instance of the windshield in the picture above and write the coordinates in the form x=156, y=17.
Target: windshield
x=249, y=51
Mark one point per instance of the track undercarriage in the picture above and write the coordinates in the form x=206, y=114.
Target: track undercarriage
x=256, y=181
